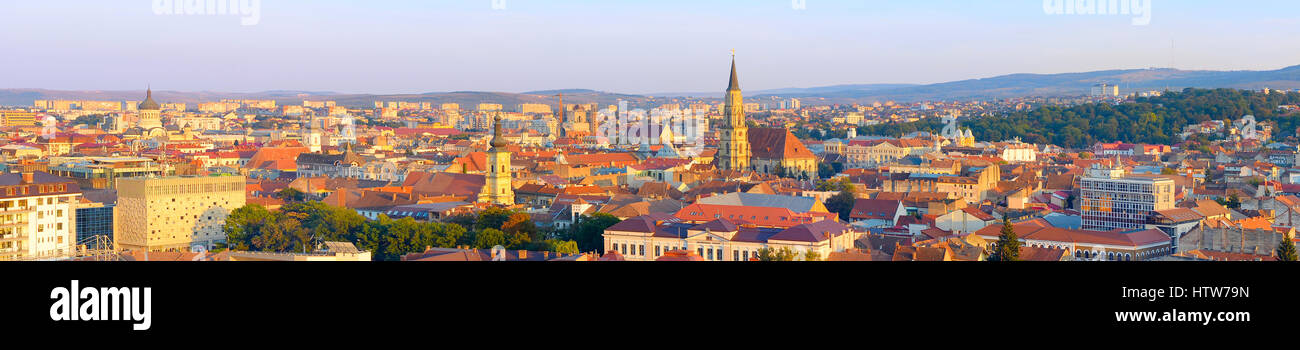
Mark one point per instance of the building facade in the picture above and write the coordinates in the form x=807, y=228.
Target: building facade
x=648, y=238
x=37, y=216
x=1110, y=200
x=174, y=213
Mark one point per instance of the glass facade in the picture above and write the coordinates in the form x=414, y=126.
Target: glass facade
x=94, y=221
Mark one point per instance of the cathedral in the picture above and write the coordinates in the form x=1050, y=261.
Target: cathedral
x=150, y=124
x=764, y=150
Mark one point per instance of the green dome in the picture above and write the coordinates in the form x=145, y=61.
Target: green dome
x=149, y=104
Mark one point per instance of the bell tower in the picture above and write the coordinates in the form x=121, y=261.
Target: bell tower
x=733, y=150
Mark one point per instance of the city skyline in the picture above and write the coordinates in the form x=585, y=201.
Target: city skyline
x=406, y=47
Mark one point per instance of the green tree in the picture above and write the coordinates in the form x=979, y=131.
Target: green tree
x=825, y=170
x=1286, y=249
x=783, y=254
x=290, y=194
x=812, y=255
x=841, y=203
x=88, y=120
x=520, y=230
x=488, y=238
x=558, y=246
x=1008, y=246
x=493, y=217
x=243, y=224
x=589, y=233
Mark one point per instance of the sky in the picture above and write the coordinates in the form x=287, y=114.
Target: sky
x=391, y=47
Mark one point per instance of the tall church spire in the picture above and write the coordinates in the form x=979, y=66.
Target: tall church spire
x=734, y=151
x=735, y=81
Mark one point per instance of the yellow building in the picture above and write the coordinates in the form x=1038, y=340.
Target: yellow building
x=497, y=188
x=174, y=213
x=733, y=146
x=17, y=118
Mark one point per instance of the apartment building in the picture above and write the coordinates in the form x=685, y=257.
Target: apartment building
x=37, y=216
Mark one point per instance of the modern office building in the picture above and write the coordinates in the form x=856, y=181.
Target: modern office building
x=174, y=213
x=37, y=219
x=94, y=219
x=1112, y=200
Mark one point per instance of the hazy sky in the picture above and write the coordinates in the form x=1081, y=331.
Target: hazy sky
x=376, y=46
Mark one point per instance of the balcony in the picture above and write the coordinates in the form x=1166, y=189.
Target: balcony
x=17, y=210
x=13, y=237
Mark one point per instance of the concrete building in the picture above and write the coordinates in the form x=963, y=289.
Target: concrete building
x=17, y=118
x=37, y=216
x=102, y=172
x=1111, y=200
x=174, y=213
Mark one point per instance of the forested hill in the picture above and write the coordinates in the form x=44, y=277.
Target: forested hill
x=1155, y=120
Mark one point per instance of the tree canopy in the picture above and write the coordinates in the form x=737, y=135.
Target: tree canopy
x=1154, y=120
x=298, y=227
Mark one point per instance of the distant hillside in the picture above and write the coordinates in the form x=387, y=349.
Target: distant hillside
x=24, y=97
x=1006, y=86
x=1075, y=84
x=467, y=99
x=849, y=88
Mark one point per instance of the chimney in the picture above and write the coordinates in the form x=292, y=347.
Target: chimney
x=29, y=177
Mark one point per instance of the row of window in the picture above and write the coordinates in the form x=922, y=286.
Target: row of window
x=708, y=253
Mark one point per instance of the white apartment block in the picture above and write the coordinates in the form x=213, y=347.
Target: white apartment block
x=37, y=216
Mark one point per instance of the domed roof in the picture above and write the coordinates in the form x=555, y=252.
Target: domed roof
x=497, y=140
x=149, y=104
